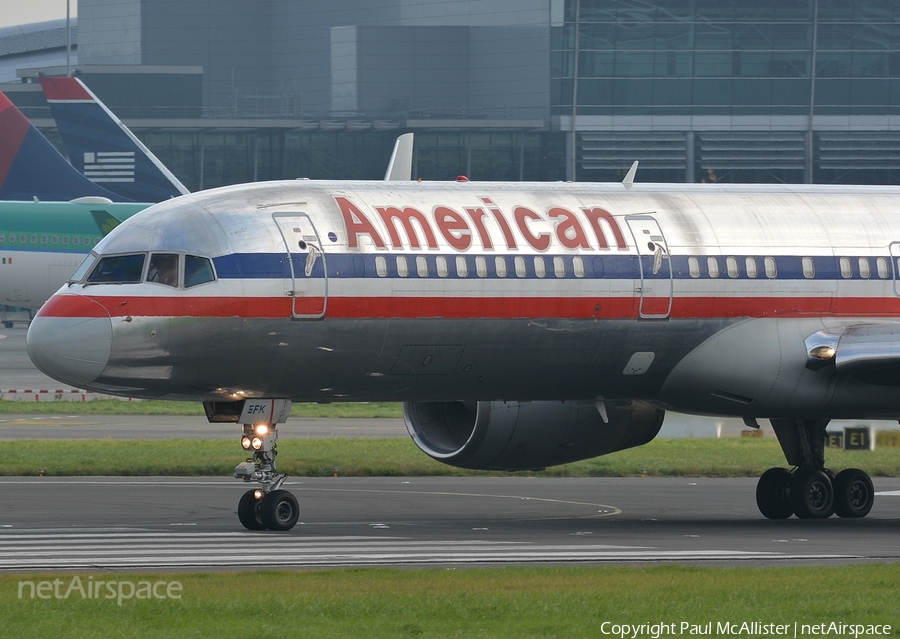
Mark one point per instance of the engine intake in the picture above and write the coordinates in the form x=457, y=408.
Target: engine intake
x=526, y=435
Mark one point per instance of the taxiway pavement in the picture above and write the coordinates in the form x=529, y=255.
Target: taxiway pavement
x=25, y=426
x=112, y=524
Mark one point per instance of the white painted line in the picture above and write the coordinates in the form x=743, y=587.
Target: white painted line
x=73, y=550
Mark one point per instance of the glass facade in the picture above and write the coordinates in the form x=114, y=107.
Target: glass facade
x=734, y=90
x=727, y=57
x=206, y=159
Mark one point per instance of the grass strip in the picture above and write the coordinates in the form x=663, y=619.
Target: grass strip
x=159, y=407
x=500, y=602
x=738, y=457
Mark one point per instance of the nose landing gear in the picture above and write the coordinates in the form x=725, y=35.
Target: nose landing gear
x=267, y=507
x=276, y=510
x=811, y=491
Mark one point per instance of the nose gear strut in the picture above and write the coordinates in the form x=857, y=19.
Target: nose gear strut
x=267, y=507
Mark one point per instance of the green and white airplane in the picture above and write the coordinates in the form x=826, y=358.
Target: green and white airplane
x=42, y=243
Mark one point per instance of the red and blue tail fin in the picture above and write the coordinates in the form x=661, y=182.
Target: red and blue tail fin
x=103, y=148
x=31, y=167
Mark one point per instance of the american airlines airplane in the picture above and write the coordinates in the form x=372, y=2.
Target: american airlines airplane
x=522, y=325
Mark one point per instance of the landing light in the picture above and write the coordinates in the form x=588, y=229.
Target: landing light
x=821, y=349
x=256, y=443
x=823, y=352
x=262, y=430
x=245, y=443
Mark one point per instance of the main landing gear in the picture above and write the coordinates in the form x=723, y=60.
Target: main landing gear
x=811, y=491
x=267, y=507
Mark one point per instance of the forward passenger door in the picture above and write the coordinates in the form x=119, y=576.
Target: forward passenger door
x=655, y=286
x=308, y=283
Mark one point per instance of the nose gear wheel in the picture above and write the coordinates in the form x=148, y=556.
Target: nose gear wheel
x=267, y=507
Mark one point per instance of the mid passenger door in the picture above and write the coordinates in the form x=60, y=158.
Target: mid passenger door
x=895, y=266
x=655, y=266
x=308, y=283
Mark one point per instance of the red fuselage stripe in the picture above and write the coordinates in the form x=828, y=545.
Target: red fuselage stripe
x=466, y=307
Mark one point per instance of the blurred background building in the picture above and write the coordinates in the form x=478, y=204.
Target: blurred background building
x=227, y=91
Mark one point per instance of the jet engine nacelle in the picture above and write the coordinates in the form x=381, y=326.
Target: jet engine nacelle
x=527, y=435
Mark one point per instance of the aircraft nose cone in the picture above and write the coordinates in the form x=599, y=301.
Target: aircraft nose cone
x=72, y=350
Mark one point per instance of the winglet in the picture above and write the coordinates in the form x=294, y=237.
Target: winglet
x=628, y=182
x=32, y=168
x=400, y=166
x=103, y=148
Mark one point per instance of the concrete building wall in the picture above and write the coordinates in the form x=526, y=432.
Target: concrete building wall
x=475, y=13
x=300, y=42
x=230, y=40
x=510, y=70
x=110, y=31
x=271, y=47
x=344, y=67
x=441, y=71
x=413, y=68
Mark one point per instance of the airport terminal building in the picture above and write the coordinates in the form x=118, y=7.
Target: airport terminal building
x=231, y=91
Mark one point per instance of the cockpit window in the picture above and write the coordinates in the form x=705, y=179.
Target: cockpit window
x=197, y=270
x=118, y=269
x=163, y=269
x=84, y=268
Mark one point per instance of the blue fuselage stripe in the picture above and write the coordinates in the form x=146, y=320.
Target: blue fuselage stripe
x=360, y=266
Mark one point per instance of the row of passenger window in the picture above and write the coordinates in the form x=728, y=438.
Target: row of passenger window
x=541, y=267
x=863, y=267
x=48, y=239
x=560, y=267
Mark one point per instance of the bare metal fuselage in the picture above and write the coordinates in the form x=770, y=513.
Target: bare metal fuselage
x=691, y=297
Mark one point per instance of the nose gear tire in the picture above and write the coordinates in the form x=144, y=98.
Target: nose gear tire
x=249, y=511
x=279, y=510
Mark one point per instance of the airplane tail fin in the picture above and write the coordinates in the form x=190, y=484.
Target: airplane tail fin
x=103, y=148
x=31, y=167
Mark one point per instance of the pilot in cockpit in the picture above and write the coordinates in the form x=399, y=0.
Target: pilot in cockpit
x=163, y=269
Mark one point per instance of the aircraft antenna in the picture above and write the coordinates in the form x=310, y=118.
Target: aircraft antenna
x=628, y=182
x=400, y=164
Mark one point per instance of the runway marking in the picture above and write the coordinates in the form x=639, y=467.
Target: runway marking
x=91, y=550
x=605, y=510
x=887, y=493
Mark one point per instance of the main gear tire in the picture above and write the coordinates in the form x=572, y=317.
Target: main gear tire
x=773, y=494
x=854, y=493
x=812, y=495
